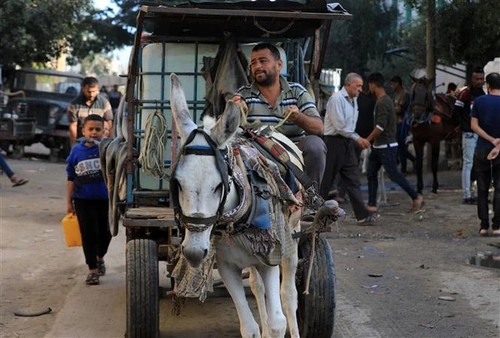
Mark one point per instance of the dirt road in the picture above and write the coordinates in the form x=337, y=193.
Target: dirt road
x=407, y=276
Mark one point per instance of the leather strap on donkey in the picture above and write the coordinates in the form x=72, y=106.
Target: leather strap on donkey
x=276, y=151
x=211, y=150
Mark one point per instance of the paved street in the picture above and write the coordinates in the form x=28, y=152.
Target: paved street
x=406, y=276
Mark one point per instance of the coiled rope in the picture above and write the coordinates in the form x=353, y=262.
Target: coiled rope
x=152, y=155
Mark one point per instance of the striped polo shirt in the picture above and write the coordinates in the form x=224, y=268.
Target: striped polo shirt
x=78, y=110
x=291, y=94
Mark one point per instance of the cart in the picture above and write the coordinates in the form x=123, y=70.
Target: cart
x=185, y=37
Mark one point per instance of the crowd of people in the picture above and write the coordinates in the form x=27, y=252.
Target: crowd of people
x=360, y=116
x=270, y=97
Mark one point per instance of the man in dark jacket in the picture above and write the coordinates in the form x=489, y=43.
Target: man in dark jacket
x=463, y=107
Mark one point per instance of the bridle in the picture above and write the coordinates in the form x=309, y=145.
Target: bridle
x=193, y=223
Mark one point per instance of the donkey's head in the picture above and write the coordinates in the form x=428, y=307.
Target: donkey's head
x=199, y=181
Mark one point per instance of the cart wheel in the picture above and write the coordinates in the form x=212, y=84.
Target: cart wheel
x=142, y=289
x=316, y=311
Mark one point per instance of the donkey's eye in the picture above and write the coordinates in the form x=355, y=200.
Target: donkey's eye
x=179, y=186
x=218, y=188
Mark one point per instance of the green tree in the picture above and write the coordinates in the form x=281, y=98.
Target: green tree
x=371, y=32
x=468, y=31
x=39, y=30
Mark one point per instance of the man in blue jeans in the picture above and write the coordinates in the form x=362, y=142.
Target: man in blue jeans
x=385, y=146
x=463, y=107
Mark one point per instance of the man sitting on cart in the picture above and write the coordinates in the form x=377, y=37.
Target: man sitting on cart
x=272, y=99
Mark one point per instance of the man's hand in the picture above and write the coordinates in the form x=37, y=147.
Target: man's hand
x=363, y=143
x=241, y=103
x=294, y=113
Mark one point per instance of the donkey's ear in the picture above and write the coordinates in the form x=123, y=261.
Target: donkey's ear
x=180, y=112
x=226, y=126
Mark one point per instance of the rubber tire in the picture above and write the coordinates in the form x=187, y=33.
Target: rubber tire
x=142, y=289
x=316, y=311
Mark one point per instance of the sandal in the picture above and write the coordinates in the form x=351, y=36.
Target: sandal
x=92, y=279
x=101, y=268
x=20, y=182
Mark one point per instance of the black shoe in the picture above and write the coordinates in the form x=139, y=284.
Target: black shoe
x=470, y=201
x=101, y=268
x=370, y=220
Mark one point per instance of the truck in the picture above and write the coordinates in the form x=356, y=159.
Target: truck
x=36, y=110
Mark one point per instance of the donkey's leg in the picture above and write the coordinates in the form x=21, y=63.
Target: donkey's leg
x=288, y=290
x=276, y=319
x=259, y=292
x=231, y=275
x=289, y=296
x=419, y=154
x=435, y=165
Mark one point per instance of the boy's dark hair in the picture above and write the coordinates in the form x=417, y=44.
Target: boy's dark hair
x=397, y=79
x=271, y=47
x=452, y=86
x=93, y=117
x=377, y=79
x=90, y=81
x=493, y=80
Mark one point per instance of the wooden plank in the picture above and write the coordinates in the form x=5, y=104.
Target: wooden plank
x=150, y=212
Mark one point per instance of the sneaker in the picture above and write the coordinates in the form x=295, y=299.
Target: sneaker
x=92, y=279
x=101, y=268
x=496, y=233
x=370, y=220
x=483, y=232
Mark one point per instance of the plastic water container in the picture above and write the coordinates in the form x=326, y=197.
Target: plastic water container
x=71, y=230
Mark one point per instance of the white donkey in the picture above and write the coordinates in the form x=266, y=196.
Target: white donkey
x=203, y=191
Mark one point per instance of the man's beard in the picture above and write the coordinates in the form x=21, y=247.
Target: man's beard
x=266, y=81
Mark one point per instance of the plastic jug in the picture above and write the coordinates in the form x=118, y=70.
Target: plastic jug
x=71, y=230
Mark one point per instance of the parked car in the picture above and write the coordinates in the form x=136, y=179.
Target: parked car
x=38, y=112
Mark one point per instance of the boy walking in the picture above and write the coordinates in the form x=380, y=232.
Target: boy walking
x=87, y=195
x=385, y=147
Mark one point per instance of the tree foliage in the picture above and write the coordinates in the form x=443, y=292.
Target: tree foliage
x=40, y=30
x=370, y=33
x=468, y=31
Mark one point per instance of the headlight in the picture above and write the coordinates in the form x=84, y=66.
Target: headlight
x=53, y=110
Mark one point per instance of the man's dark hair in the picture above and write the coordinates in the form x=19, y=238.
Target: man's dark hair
x=271, y=47
x=90, y=81
x=478, y=69
x=452, y=86
x=397, y=79
x=493, y=80
x=377, y=79
x=93, y=117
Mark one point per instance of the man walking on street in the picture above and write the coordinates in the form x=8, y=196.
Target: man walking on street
x=385, y=147
x=87, y=103
x=341, y=140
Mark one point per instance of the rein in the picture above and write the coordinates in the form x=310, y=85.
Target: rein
x=223, y=168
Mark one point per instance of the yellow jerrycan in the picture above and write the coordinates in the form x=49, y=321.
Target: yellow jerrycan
x=71, y=230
